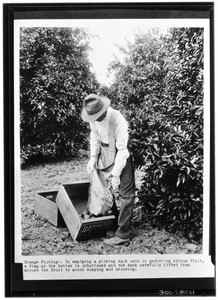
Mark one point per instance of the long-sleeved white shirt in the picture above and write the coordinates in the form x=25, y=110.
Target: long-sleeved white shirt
x=99, y=133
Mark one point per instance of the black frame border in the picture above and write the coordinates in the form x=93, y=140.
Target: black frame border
x=15, y=286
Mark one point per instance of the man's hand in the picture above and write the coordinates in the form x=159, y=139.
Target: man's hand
x=115, y=182
x=90, y=165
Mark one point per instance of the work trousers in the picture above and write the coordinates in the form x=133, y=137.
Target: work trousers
x=126, y=199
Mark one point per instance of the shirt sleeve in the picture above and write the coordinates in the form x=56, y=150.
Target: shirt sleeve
x=94, y=141
x=121, y=136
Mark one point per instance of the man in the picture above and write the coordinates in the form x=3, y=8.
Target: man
x=110, y=155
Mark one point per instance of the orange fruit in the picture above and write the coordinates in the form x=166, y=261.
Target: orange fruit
x=86, y=216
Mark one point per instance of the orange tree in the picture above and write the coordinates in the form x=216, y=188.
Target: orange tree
x=54, y=77
x=159, y=87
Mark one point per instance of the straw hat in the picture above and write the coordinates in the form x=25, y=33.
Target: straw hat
x=93, y=107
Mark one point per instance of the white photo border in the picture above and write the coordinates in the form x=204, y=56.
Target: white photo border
x=198, y=271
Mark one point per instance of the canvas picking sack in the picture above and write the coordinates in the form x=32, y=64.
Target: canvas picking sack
x=100, y=198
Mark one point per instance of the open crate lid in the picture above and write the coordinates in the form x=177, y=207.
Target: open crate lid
x=68, y=212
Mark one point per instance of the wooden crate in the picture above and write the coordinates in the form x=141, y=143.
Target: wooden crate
x=46, y=207
x=72, y=200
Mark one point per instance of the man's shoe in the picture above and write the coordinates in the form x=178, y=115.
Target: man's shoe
x=116, y=241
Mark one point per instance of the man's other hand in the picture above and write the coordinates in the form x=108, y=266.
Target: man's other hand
x=115, y=182
x=90, y=165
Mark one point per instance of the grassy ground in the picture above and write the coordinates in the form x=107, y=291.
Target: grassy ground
x=39, y=237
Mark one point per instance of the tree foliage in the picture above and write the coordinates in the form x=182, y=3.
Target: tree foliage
x=159, y=87
x=54, y=78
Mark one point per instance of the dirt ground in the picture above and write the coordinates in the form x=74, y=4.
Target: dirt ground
x=39, y=237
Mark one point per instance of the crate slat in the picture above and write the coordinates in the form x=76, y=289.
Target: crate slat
x=46, y=208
